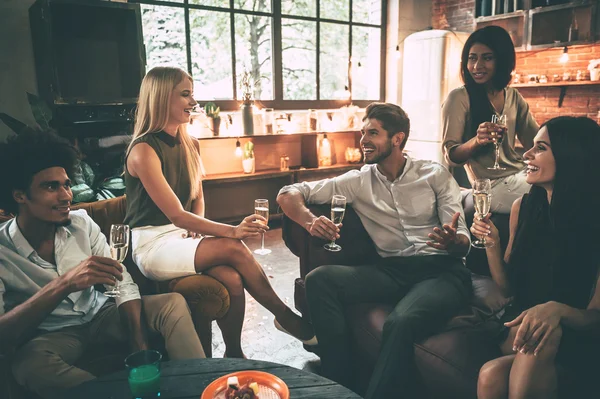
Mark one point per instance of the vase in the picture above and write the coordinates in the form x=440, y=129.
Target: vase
x=214, y=124
x=248, y=165
x=595, y=74
x=247, y=119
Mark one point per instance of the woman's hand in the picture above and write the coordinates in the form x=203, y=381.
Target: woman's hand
x=484, y=133
x=536, y=326
x=484, y=227
x=252, y=225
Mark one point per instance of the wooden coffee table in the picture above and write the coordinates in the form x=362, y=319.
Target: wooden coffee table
x=187, y=379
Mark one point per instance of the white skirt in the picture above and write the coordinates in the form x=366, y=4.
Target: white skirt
x=162, y=253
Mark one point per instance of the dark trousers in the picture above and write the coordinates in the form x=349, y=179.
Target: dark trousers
x=426, y=291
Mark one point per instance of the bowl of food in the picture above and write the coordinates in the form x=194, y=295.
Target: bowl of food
x=249, y=384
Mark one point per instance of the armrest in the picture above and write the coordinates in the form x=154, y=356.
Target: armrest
x=357, y=246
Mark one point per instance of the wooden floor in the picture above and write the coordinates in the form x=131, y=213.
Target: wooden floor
x=260, y=339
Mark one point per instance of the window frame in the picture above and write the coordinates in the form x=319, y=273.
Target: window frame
x=278, y=102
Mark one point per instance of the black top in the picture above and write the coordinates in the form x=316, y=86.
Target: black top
x=141, y=210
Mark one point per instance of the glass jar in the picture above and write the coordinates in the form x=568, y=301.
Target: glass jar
x=311, y=121
x=268, y=119
x=284, y=163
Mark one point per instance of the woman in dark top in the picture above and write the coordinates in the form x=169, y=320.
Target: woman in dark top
x=550, y=266
x=165, y=209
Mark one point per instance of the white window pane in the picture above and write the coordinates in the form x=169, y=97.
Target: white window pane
x=305, y=8
x=366, y=51
x=253, y=5
x=333, y=61
x=366, y=11
x=335, y=9
x=212, y=3
x=299, y=55
x=164, y=36
x=211, y=55
x=253, y=52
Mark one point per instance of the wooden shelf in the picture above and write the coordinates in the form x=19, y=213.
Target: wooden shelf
x=270, y=173
x=562, y=84
x=558, y=84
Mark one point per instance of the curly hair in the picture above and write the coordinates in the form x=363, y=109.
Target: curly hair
x=24, y=155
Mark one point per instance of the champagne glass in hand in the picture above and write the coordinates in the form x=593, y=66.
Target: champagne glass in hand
x=482, y=197
x=500, y=120
x=338, y=209
x=261, y=207
x=119, y=244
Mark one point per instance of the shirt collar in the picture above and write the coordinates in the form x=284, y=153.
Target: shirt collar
x=20, y=242
x=407, y=166
x=169, y=140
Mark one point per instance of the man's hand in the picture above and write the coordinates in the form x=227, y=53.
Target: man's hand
x=445, y=239
x=324, y=228
x=93, y=270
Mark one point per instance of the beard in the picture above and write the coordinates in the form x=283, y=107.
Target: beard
x=386, y=152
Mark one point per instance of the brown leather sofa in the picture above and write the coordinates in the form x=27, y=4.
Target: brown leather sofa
x=207, y=298
x=448, y=363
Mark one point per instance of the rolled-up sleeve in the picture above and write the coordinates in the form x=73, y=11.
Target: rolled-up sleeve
x=454, y=120
x=527, y=126
x=321, y=191
x=449, y=200
x=128, y=289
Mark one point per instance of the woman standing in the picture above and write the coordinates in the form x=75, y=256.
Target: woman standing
x=550, y=268
x=488, y=59
x=165, y=209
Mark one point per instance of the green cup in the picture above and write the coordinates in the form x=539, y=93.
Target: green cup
x=144, y=374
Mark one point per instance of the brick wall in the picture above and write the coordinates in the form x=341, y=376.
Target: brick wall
x=453, y=14
x=543, y=101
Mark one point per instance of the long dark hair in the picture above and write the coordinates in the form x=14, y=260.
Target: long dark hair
x=568, y=264
x=499, y=41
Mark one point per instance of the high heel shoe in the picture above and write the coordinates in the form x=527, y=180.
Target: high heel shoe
x=310, y=342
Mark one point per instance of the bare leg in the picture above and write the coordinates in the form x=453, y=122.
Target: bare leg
x=493, y=378
x=534, y=377
x=231, y=324
x=216, y=251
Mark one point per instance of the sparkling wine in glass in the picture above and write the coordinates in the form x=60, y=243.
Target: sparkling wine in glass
x=119, y=244
x=338, y=209
x=482, y=197
x=261, y=207
x=501, y=121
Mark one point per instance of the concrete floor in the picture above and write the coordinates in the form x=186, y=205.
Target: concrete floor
x=260, y=339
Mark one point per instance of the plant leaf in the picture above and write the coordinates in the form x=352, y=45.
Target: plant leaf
x=41, y=111
x=14, y=124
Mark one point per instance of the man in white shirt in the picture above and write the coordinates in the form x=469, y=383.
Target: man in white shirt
x=412, y=211
x=50, y=260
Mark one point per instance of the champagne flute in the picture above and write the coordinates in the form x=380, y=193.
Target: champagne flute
x=501, y=121
x=338, y=209
x=482, y=197
x=261, y=207
x=119, y=244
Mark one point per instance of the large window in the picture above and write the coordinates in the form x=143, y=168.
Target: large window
x=299, y=53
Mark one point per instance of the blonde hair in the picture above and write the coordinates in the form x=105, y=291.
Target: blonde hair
x=152, y=116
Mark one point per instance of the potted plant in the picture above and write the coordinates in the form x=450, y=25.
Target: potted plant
x=594, y=68
x=248, y=163
x=214, y=118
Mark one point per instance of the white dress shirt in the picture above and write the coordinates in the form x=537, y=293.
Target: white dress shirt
x=398, y=215
x=23, y=272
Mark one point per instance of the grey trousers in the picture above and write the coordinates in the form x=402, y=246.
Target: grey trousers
x=426, y=291
x=44, y=365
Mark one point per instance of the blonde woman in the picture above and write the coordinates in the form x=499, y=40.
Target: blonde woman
x=165, y=209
